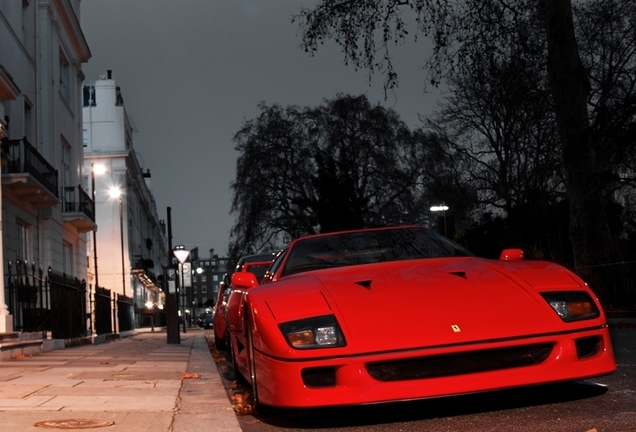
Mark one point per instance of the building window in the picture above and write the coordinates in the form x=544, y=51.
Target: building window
x=215, y=278
x=204, y=290
x=194, y=289
x=68, y=258
x=65, y=78
x=24, y=241
x=203, y=278
x=85, y=138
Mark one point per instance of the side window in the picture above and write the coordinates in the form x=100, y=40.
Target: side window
x=273, y=270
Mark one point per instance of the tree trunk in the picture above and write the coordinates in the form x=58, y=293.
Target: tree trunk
x=589, y=229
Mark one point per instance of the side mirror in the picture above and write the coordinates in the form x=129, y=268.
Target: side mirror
x=244, y=280
x=511, y=255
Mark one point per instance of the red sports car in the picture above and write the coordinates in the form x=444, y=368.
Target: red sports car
x=256, y=264
x=403, y=313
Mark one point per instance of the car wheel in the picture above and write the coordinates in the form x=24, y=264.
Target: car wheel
x=220, y=344
x=230, y=352
x=256, y=405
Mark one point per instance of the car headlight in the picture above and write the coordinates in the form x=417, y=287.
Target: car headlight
x=318, y=332
x=572, y=305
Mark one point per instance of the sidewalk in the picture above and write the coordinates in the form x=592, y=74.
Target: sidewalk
x=139, y=383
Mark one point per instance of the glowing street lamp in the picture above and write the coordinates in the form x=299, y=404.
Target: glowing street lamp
x=441, y=208
x=182, y=254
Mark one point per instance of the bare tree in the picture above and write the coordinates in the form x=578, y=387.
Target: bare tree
x=344, y=164
x=463, y=33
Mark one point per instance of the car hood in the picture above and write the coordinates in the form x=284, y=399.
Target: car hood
x=425, y=303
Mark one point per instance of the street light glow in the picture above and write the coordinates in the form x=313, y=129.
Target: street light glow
x=99, y=169
x=114, y=192
x=439, y=208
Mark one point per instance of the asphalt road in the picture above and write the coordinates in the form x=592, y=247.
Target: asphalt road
x=605, y=404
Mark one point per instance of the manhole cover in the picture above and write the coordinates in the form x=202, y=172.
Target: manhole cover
x=74, y=424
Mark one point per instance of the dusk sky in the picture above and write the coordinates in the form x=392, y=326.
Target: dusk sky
x=192, y=71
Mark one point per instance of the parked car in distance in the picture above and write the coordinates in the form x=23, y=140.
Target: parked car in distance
x=219, y=321
x=256, y=264
x=403, y=313
x=205, y=320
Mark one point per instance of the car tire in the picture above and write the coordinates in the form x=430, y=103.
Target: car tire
x=257, y=406
x=220, y=344
x=232, y=358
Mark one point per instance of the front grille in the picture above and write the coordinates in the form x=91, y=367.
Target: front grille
x=319, y=377
x=587, y=347
x=459, y=364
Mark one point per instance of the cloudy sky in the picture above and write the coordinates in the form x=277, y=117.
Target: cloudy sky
x=192, y=71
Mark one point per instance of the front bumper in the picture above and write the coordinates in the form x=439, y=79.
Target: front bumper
x=350, y=380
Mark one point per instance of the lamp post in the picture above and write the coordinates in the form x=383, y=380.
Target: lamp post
x=443, y=208
x=182, y=254
x=93, y=169
x=115, y=193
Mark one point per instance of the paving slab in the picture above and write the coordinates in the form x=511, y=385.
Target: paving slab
x=138, y=383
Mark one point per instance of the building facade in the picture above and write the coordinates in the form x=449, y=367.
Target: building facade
x=131, y=240
x=46, y=213
x=207, y=274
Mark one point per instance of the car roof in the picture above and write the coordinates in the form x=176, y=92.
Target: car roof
x=331, y=233
x=260, y=257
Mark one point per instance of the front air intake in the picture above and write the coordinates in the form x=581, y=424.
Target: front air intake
x=460, y=364
x=319, y=377
x=587, y=347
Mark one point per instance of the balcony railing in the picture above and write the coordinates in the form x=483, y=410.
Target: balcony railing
x=77, y=200
x=29, y=171
x=78, y=208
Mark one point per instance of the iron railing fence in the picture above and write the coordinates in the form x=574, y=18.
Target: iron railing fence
x=613, y=283
x=28, y=299
x=125, y=313
x=48, y=303
x=103, y=313
x=68, y=306
x=59, y=306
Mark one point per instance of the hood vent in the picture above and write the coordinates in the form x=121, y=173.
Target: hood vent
x=365, y=284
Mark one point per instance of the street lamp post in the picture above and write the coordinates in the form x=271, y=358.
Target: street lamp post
x=443, y=208
x=115, y=192
x=96, y=169
x=93, y=168
x=182, y=254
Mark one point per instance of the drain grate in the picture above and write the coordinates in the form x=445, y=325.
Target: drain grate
x=74, y=424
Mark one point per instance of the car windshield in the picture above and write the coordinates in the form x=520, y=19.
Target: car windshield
x=365, y=247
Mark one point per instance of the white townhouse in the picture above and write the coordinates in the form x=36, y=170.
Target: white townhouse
x=46, y=213
x=132, y=245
